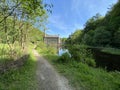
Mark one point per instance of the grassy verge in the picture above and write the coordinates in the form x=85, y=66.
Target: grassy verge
x=111, y=50
x=84, y=77
x=20, y=79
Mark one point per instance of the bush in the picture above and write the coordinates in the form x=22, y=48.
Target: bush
x=80, y=53
x=51, y=50
x=90, y=62
x=101, y=37
x=65, y=58
x=42, y=48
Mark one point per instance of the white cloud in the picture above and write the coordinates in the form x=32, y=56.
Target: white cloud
x=55, y=21
x=58, y=22
x=85, y=7
x=91, y=7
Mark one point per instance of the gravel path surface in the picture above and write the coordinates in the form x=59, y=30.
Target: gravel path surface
x=47, y=77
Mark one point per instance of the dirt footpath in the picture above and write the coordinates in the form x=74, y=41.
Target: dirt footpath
x=47, y=77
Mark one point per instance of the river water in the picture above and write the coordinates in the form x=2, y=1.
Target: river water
x=106, y=60
x=61, y=51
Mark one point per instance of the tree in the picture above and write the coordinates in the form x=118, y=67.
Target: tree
x=15, y=16
x=88, y=38
x=74, y=38
x=116, y=39
x=93, y=23
x=101, y=37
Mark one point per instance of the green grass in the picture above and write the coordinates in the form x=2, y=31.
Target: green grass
x=46, y=50
x=84, y=77
x=20, y=79
x=6, y=52
x=111, y=50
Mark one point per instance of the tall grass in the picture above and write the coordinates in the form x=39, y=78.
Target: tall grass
x=20, y=79
x=43, y=49
x=10, y=53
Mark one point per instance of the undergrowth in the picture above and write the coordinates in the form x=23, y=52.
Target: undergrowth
x=20, y=79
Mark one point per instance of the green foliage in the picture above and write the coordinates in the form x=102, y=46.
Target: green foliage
x=88, y=38
x=51, y=50
x=17, y=18
x=7, y=53
x=101, y=37
x=65, y=58
x=116, y=39
x=114, y=18
x=63, y=40
x=16, y=30
x=80, y=53
x=111, y=51
x=23, y=78
x=74, y=38
x=90, y=62
x=93, y=22
x=43, y=49
x=51, y=57
x=35, y=35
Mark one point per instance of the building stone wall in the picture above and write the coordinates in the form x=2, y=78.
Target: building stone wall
x=53, y=41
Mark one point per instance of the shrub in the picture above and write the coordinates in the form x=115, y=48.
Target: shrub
x=51, y=50
x=90, y=62
x=65, y=58
x=46, y=49
x=80, y=54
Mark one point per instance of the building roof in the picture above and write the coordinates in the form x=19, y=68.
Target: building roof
x=54, y=36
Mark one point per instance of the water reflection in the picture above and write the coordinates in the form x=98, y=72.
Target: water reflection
x=106, y=60
x=61, y=51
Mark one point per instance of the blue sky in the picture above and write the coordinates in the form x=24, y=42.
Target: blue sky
x=69, y=15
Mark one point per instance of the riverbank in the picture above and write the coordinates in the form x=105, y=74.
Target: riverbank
x=113, y=51
x=84, y=77
x=108, y=50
